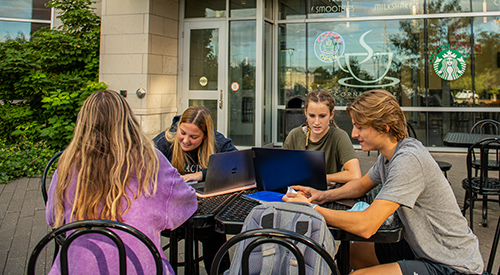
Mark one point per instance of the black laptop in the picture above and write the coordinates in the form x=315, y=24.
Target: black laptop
x=276, y=169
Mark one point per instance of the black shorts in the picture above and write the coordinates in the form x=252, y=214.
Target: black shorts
x=402, y=254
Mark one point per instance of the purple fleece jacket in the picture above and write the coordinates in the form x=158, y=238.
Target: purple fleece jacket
x=173, y=203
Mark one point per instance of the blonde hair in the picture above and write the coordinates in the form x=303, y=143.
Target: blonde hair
x=378, y=108
x=319, y=97
x=199, y=116
x=107, y=150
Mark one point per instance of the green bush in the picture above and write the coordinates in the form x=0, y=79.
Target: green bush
x=44, y=81
x=24, y=159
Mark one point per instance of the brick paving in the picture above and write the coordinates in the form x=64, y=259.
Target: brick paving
x=22, y=218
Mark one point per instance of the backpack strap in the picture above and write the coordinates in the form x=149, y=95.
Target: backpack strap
x=269, y=219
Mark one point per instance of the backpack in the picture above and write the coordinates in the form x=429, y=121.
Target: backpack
x=275, y=259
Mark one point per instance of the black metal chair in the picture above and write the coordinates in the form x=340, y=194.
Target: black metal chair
x=43, y=184
x=102, y=227
x=43, y=187
x=482, y=187
x=443, y=165
x=493, y=252
x=286, y=238
x=487, y=126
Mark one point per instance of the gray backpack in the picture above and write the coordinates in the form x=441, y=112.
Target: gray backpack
x=275, y=259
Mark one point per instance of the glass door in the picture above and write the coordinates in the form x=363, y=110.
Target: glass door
x=204, y=81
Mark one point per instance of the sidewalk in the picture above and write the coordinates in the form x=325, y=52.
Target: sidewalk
x=22, y=217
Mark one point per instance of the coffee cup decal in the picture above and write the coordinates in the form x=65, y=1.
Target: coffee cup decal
x=378, y=59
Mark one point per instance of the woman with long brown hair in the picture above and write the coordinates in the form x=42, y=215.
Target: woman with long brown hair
x=112, y=171
x=320, y=133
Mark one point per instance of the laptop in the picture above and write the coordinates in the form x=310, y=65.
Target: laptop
x=227, y=172
x=276, y=169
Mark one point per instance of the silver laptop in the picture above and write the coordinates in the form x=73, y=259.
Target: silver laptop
x=227, y=172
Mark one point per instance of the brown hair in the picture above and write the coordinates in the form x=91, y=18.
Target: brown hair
x=378, y=108
x=108, y=148
x=199, y=116
x=319, y=97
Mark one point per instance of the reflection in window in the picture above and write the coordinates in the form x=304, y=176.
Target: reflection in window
x=18, y=30
x=487, y=54
x=202, y=8
x=242, y=8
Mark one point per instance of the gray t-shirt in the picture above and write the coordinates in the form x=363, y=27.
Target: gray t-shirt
x=432, y=221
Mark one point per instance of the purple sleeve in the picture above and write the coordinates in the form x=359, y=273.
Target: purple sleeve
x=49, y=207
x=181, y=198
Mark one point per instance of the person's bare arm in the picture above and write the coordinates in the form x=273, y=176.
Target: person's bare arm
x=353, y=189
x=351, y=171
x=362, y=223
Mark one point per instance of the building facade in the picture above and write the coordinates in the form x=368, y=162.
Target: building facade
x=246, y=59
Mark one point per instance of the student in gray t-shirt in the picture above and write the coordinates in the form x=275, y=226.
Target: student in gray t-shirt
x=437, y=239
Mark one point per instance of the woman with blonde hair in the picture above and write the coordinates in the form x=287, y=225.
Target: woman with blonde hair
x=111, y=170
x=188, y=144
x=320, y=133
x=190, y=141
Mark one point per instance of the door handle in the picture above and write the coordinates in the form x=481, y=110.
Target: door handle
x=221, y=100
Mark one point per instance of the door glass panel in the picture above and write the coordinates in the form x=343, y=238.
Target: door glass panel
x=211, y=106
x=241, y=89
x=203, y=59
x=268, y=84
x=203, y=8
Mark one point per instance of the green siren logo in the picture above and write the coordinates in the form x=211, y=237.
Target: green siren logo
x=449, y=63
x=329, y=46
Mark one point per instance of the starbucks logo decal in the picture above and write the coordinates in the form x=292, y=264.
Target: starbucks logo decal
x=449, y=64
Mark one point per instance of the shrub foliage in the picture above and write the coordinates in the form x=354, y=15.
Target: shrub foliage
x=44, y=81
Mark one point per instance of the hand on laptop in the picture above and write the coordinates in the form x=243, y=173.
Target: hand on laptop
x=312, y=195
x=193, y=177
x=295, y=197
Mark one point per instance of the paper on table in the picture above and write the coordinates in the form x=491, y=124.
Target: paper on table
x=266, y=196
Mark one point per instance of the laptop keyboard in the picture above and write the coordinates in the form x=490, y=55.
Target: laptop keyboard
x=210, y=205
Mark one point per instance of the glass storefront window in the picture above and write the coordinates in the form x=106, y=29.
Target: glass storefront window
x=299, y=9
x=242, y=62
x=487, y=54
x=485, y=5
x=202, y=8
x=450, y=73
x=242, y=8
x=203, y=50
x=292, y=63
x=292, y=9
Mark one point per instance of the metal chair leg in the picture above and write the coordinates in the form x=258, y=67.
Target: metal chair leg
x=494, y=247
x=485, y=211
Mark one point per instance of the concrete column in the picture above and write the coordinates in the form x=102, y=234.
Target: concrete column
x=139, y=50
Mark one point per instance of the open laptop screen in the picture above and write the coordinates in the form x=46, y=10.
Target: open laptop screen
x=275, y=168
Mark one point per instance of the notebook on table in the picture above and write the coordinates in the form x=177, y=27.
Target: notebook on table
x=276, y=169
x=227, y=172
